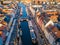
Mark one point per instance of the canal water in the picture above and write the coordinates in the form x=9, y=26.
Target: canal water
x=26, y=39
x=24, y=14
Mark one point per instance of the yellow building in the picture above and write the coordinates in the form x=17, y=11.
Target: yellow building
x=26, y=1
x=39, y=1
x=57, y=0
x=54, y=0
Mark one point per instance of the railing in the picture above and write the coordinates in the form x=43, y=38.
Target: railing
x=11, y=22
x=8, y=38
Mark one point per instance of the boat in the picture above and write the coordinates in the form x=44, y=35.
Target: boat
x=30, y=25
x=20, y=32
x=33, y=36
x=21, y=11
x=32, y=32
x=23, y=19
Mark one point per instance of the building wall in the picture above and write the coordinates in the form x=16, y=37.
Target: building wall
x=57, y=0
x=39, y=1
x=54, y=0
x=43, y=0
x=36, y=1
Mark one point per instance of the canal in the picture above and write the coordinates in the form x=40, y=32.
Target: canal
x=26, y=39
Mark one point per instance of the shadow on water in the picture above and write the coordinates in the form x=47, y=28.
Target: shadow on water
x=26, y=40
